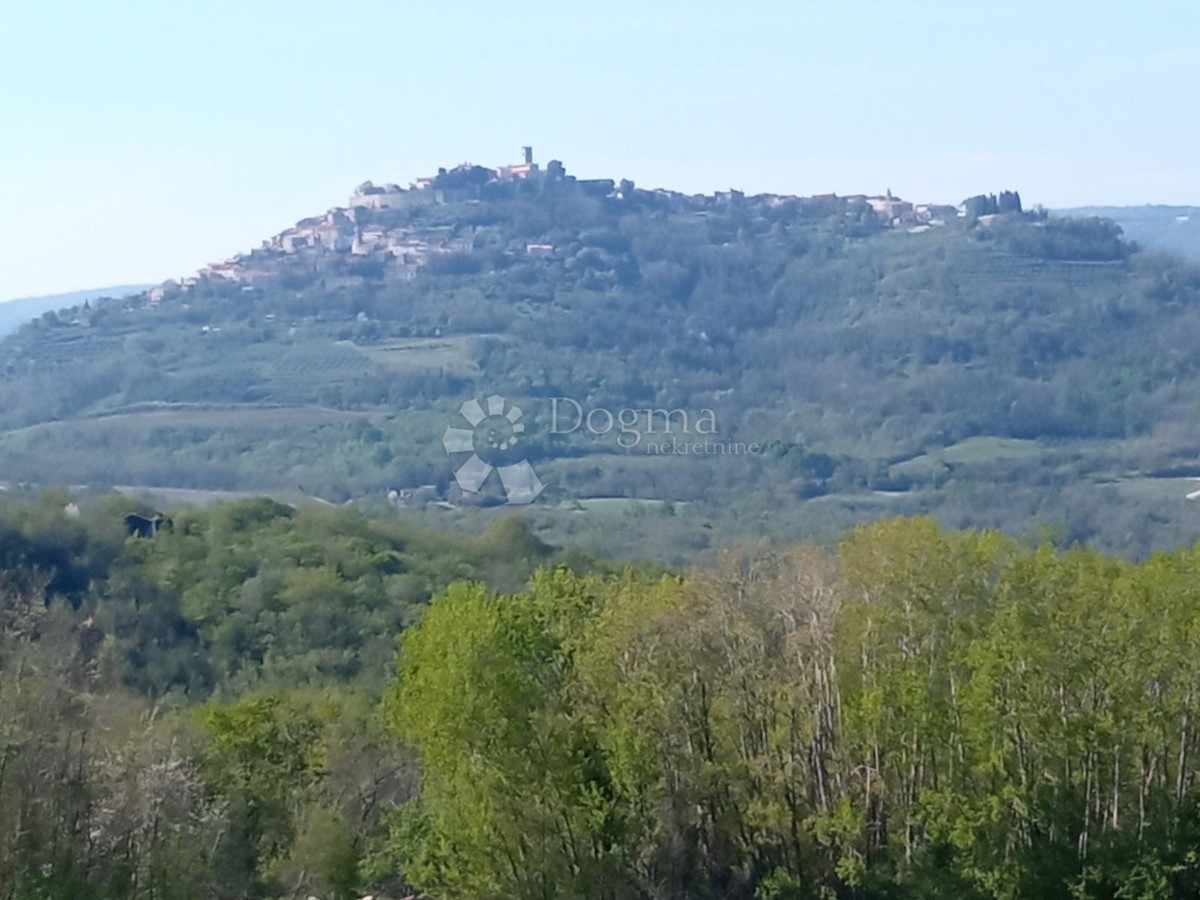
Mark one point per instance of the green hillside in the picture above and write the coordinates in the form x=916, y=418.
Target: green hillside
x=267, y=701
x=1000, y=370
x=15, y=313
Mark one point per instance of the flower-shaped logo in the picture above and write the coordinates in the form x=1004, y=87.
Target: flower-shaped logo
x=491, y=440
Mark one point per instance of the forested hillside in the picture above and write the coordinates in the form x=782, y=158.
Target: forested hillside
x=649, y=523
x=195, y=715
x=1000, y=369
x=262, y=701
x=16, y=312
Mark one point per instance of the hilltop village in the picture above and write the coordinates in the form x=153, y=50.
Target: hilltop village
x=380, y=231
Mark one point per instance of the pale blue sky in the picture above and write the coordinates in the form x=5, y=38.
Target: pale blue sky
x=141, y=140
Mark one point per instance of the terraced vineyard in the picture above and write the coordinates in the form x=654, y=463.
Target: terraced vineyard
x=451, y=354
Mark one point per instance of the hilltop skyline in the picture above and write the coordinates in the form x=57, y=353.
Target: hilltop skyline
x=155, y=140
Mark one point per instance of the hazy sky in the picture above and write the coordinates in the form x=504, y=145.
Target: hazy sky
x=139, y=141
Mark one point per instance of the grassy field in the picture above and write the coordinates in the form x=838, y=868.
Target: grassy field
x=450, y=354
x=974, y=450
x=1155, y=490
x=318, y=359
x=616, y=505
x=229, y=417
x=209, y=418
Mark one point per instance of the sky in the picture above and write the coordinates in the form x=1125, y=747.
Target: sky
x=141, y=140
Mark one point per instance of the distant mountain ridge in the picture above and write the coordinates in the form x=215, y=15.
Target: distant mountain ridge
x=1170, y=229
x=15, y=313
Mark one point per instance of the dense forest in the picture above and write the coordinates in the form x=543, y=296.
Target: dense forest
x=197, y=714
x=288, y=702
x=1002, y=369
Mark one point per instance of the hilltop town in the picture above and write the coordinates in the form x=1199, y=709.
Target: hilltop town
x=378, y=230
